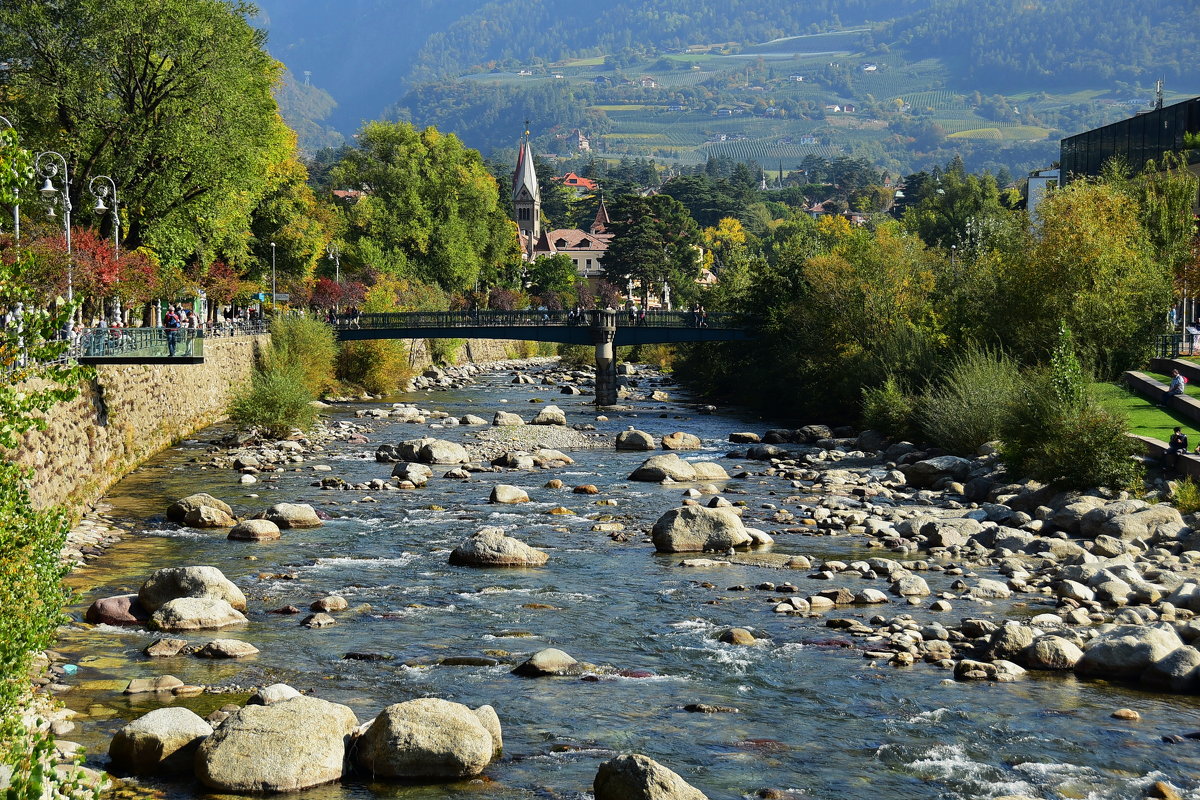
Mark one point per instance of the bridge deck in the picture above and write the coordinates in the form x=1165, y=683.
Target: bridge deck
x=565, y=327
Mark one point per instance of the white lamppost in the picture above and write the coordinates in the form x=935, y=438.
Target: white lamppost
x=49, y=170
x=108, y=186
x=335, y=255
x=16, y=193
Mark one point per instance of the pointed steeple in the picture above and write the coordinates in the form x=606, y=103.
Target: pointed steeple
x=601, y=223
x=526, y=197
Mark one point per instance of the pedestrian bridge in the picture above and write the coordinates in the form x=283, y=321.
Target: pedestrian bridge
x=606, y=330
x=564, y=327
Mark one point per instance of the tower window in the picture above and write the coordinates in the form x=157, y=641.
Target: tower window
x=522, y=213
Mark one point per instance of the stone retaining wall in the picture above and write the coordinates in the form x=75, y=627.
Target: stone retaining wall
x=130, y=413
x=126, y=415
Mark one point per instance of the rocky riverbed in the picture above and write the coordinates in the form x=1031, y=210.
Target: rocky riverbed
x=766, y=611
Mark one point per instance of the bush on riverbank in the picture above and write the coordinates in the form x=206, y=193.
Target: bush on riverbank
x=890, y=409
x=277, y=400
x=305, y=345
x=966, y=407
x=378, y=366
x=32, y=594
x=1076, y=445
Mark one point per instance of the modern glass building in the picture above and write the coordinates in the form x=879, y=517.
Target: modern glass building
x=1138, y=139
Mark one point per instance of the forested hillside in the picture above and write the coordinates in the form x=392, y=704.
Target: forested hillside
x=905, y=83
x=551, y=30
x=1005, y=45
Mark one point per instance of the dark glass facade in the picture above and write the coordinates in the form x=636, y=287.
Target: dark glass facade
x=1138, y=139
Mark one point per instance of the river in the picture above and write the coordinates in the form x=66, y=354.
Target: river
x=814, y=718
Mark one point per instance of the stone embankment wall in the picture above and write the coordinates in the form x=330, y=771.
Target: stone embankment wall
x=130, y=413
x=126, y=415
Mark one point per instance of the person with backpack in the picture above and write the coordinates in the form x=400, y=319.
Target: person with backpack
x=172, y=323
x=1178, y=382
x=1177, y=444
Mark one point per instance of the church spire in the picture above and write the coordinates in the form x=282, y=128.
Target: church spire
x=526, y=197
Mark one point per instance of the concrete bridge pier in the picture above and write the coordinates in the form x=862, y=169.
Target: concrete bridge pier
x=604, y=332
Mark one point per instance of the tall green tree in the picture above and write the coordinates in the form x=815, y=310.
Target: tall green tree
x=172, y=98
x=431, y=211
x=654, y=240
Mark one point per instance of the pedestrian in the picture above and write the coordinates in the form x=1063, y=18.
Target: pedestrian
x=1178, y=382
x=1177, y=444
x=172, y=323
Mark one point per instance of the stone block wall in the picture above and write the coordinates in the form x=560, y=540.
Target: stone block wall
x=126, y=415
x=130, y=413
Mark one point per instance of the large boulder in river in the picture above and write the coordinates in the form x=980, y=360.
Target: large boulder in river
x=293, y=515
x=696, y=528
x=163, y=742
x=195, y=614
x=208, y=517
x=548, y=661
x=491, y=548
x=636, y=777
x=440, y=451
x=255, y=530
x=634, y=440
x=507, y=418
x=1126, y=651
x=550, y=415
x=425, y=738
x=508, y=495
x=928, y=472
x=283, y=747
x=1160, y=519
x=1179, y=672
x=671, y=467
x=680, y=441
x=178, y=511
x=171, y=583
x=122, y=609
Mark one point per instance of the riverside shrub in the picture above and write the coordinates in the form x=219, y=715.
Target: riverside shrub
x=888, y=408
x=306, y=345
x=277, y=399
x=966, y=407
x=379, y=366
x=1072, y=444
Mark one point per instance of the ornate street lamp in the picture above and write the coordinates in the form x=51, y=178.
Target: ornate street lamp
x=108, y=186
x=47, y=165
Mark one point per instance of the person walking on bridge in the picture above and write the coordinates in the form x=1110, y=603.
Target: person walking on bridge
x=172, y=323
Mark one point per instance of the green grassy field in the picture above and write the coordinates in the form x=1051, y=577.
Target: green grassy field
x=1145, y=418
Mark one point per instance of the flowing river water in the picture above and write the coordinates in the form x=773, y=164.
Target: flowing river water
x=815, y=719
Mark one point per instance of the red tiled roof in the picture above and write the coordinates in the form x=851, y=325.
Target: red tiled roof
x=573, y=180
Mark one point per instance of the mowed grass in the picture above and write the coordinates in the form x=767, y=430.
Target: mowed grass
x=1145, y=418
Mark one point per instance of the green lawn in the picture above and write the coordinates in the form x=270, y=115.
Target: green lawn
x=1145, y=418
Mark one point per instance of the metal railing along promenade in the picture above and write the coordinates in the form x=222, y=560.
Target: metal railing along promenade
x=534, y=318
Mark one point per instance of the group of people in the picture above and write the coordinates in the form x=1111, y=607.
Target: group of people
x=698, y=316
x=350, y=317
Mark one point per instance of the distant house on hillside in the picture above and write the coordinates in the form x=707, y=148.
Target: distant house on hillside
x=578, y=142
x=849, y=108
x=348, y=196
x=834, y=109
x=796, y=78
x=582, y=186
x=648, y=82
x=870, y=67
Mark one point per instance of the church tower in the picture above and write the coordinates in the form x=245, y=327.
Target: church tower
x=526, y=197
